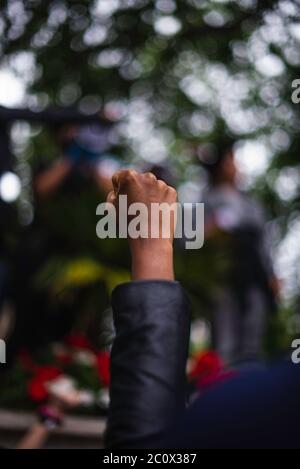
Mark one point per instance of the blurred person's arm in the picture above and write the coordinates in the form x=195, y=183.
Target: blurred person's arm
x=152, y=323
x=51, y=415
x=49, y=180
x=50, y=418
x=35, y=438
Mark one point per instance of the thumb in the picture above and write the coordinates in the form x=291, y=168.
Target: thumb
x=111, y=198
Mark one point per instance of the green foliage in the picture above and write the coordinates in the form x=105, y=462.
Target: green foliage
x=187, y=86
x=14, y=390
x=195, y=82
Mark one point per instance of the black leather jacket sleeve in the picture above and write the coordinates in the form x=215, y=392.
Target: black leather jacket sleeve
x=148, y=362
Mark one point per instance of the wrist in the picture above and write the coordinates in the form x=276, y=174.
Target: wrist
x=152, y=259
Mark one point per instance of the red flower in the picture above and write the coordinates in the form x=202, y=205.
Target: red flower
x=47, y=373
x=206, y=364
x=64, y=358
x=103, y=365
x=208, y=370
x=37, y=388
x=78, y=341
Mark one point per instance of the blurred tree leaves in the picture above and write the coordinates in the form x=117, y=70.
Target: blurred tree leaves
x=182, y=73
x=200, y=67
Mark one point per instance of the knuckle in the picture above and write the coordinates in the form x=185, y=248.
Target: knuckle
x=150, y=176
x=172, y=192
x=162, y=184
x=130, y=175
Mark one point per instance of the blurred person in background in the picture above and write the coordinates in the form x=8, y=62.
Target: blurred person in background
x=84, y=162
x=248, y=288
x=84, y=147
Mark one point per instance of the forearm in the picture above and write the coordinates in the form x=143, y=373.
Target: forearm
x=35, y=438
x=152, y=260
x=48, y=181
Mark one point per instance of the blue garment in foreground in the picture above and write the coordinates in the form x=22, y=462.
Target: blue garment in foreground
x=258, y=409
